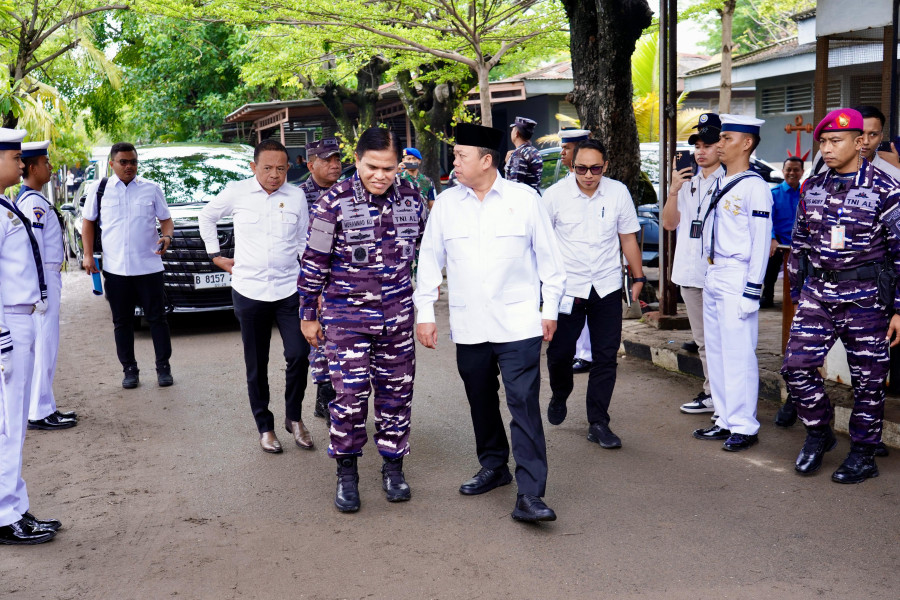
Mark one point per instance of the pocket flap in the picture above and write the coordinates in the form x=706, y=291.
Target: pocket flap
x=518, y=294
x=457, y=300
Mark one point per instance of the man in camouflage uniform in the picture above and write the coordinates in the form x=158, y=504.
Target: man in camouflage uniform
x=362, y=240
x=847, y=233
x=412, y=160
x=324, y=171
x=524, y=164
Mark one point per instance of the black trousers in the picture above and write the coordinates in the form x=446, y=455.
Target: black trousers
x=257, y=318
x=604, y=321
x=773, y=268
x=124, y=292
x=519, y=365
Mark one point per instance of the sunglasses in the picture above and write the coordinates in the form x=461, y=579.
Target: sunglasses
x=582, y=169
x=126, y=161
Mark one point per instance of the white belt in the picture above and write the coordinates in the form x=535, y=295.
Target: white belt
x=721, y=261
x=19, y=309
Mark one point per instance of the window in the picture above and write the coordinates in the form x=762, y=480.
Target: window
x=787, y=99
x=833, y=95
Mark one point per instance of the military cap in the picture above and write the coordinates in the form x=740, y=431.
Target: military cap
x=708, y=127
x=570, y=134
x=741, y=124
x=468, y=134
x=11, y=139
x=323, y=148
x=840, y=119
x=30, y=149
x=524, y=125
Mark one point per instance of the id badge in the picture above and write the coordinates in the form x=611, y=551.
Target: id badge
x=696, y=229
x=837, y=237
x=566, y=304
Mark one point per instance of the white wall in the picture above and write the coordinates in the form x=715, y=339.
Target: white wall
x=841, y=16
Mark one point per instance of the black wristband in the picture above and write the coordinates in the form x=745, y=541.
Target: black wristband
x=214, y=255
x=639, y=279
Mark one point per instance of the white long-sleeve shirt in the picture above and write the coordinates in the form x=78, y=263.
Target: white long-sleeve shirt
x=689, y=264
x=501, y=255
x=44, y=226
x=269, y=236
x=128, y=215
x=587, y=230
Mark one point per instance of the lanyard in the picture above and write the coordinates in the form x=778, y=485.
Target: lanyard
x=35, y=250
x=715, y=202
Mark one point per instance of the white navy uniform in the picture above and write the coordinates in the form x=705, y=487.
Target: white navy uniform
x=20, y=292
x=49, y=236
x=741, y=224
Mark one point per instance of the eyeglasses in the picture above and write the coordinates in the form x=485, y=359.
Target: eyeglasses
x=582, y=169
x=127, y=161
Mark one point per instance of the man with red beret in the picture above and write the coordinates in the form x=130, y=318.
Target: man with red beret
x=844, y=258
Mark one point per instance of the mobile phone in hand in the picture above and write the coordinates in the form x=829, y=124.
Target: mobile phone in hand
x=683, y=160
x=885, y=146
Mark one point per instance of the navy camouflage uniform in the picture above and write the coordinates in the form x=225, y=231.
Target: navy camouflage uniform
x=358, y=257
x=318, y=364
x=526, y=166
x=832, y=306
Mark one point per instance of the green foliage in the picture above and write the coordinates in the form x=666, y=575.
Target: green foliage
x=757, y=23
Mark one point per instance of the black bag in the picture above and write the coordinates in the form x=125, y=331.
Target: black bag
x=98, y=246
x=887, y=284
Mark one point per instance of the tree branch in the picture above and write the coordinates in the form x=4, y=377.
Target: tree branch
x=75, y=16
x=53, y=56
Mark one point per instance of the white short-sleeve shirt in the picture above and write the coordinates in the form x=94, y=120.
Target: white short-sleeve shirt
x=587, y=230
x=128, y=219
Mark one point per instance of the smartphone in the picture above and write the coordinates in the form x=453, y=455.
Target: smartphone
x=886, y=146
x=683, y=160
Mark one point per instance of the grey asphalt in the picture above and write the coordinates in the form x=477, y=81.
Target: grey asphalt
x=164, y=493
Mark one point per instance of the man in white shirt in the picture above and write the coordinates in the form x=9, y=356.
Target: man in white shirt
x=270, y=222
x=688, y=201
x=495, y=240
x=737, y=236
x=127, y=210
x=22, y=294
x=591, y=216
x=47, y=229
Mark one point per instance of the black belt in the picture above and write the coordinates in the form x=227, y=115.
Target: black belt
x=862, y=273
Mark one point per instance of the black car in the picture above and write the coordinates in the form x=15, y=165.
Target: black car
x=190, y=176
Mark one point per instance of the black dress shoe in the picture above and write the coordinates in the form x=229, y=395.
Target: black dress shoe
x=485, y=480
x=556, y=411
x=41, y=525
x=819, y=440
x=600, y=433
x=532, y=509
x=131, y=379
x=51, y=422
x=714, y=433
x=739, y=441
x=164, y=376
x=691, y=347
x=787, y=414
x=71, y=414
x=581, y=366
x=346, y=497
x=858, y=466
x=767, y=303
x=881, y=449
x=20, y=532
x=324, y=395
x=393, y=482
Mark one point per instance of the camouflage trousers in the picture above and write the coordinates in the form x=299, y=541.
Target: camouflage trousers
x=357, y=363
x=862, y=330
x=318, y=363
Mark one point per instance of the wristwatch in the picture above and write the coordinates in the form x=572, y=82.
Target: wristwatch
x=639, y=279
x=214, y=255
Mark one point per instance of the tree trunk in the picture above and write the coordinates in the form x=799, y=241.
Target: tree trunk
x=333, y=95
x=430, y=106
x=727, y=14
x=602, y=40
x=484, y=91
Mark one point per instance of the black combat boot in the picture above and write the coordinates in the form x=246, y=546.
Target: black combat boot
x=819, y=440
x=858, y=466
x=324, y=394
x=346, y=499
x=392, y=481
x=132, y=377
x=787, y=414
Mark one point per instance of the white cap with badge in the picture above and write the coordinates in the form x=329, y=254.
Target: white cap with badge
x=11, y=139
x=741, y=124
x=35, y=149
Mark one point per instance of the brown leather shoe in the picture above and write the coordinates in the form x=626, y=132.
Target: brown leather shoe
x=269, y=443
x=300, y=433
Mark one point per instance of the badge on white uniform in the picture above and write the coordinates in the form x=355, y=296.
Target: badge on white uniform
x=566, y=304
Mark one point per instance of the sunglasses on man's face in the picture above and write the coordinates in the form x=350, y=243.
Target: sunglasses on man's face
x=594, y=169
x=124, y=162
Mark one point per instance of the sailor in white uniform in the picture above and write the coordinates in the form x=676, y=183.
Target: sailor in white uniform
x=22, y=293
x=47, y=229
x=737, y=234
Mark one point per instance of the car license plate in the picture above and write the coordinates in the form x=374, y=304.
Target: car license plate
x=204, y=281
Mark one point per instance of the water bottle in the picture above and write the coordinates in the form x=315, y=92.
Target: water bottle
x=98, y=284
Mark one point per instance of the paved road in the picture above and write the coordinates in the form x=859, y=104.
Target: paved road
x=165, y=493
